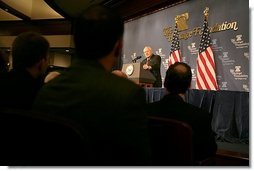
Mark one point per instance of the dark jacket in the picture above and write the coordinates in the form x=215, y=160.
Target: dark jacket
x=173, y=106
x=110, y=109
x=18, y=89
x=155, y=63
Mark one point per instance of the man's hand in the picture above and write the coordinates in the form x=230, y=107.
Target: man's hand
x=145, y=66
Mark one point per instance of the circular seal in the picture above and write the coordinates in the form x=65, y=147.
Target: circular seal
x=129, y=70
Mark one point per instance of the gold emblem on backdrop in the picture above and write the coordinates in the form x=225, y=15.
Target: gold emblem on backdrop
x=181, y=21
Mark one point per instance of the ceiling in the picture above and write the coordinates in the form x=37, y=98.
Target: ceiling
x=54, y=17
x=14, y=10
x=26, y=10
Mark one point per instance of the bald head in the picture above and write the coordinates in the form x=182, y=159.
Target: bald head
x=181, y=68
x=178, y=78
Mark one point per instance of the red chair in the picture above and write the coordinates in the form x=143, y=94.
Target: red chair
x=37, y=139
x=171, y=142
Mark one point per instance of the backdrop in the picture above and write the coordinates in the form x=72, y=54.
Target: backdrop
x=229, y=23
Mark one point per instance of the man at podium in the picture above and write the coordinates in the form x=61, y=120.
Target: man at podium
x=153, y=64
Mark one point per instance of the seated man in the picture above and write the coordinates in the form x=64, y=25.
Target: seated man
x=172, y=105
x=18, y=88
x=109, y=108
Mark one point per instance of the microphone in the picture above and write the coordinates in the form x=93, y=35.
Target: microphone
x=135, y=59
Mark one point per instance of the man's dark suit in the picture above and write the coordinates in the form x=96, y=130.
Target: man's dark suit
x=18, y=89
x=155, y=62
x=110, y=109
x=173, y=106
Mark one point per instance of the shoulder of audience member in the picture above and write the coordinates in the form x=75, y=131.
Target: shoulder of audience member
x=4, y=77
x=200, y=113
x=153, y=109
x=198, y=109
x=123, y=85
x=119, y=73
x=125, y=82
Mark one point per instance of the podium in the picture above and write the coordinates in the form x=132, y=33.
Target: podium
x=137, y=74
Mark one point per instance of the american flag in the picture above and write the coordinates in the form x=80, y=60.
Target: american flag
x=175, y=48
x=206, y=78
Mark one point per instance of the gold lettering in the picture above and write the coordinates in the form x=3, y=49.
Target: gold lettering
x=222, y=28
x=168, y=33
x=235, y=25
x=196, y=31
x=185, y=35
x=215, y=28
x=229, y=26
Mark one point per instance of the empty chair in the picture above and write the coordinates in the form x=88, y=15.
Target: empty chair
x=36, y=139
x=171, y=142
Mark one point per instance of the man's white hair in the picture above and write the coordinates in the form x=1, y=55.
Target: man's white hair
x=148, y=47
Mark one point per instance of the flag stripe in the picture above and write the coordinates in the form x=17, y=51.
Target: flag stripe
x=175, y=56
x=202, y=74
x=201, y=84
x=211, y=67
x=211, y=57
x=207, y=74
x=207, y=69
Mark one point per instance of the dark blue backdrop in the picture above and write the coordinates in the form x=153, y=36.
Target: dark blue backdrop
x=230, y=22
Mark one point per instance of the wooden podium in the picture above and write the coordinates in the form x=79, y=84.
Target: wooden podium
x=136, y=73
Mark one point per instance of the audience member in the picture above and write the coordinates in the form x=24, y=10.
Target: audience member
x=153, y=64
x=177, y=81
x=3, y=63
x=19, y=87
x=109, y=108
x=119, y=73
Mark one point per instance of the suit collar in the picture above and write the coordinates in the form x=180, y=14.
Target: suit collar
x=173, y=97
x=77, y=62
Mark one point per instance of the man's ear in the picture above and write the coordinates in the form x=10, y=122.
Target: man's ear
x=38, y=65
x=118, y=48
x=41, y=65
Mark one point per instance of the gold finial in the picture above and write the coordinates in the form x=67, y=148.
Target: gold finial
x=206, y=12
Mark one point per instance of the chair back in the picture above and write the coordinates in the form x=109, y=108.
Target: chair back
x=38, y=139
x=171, y=141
